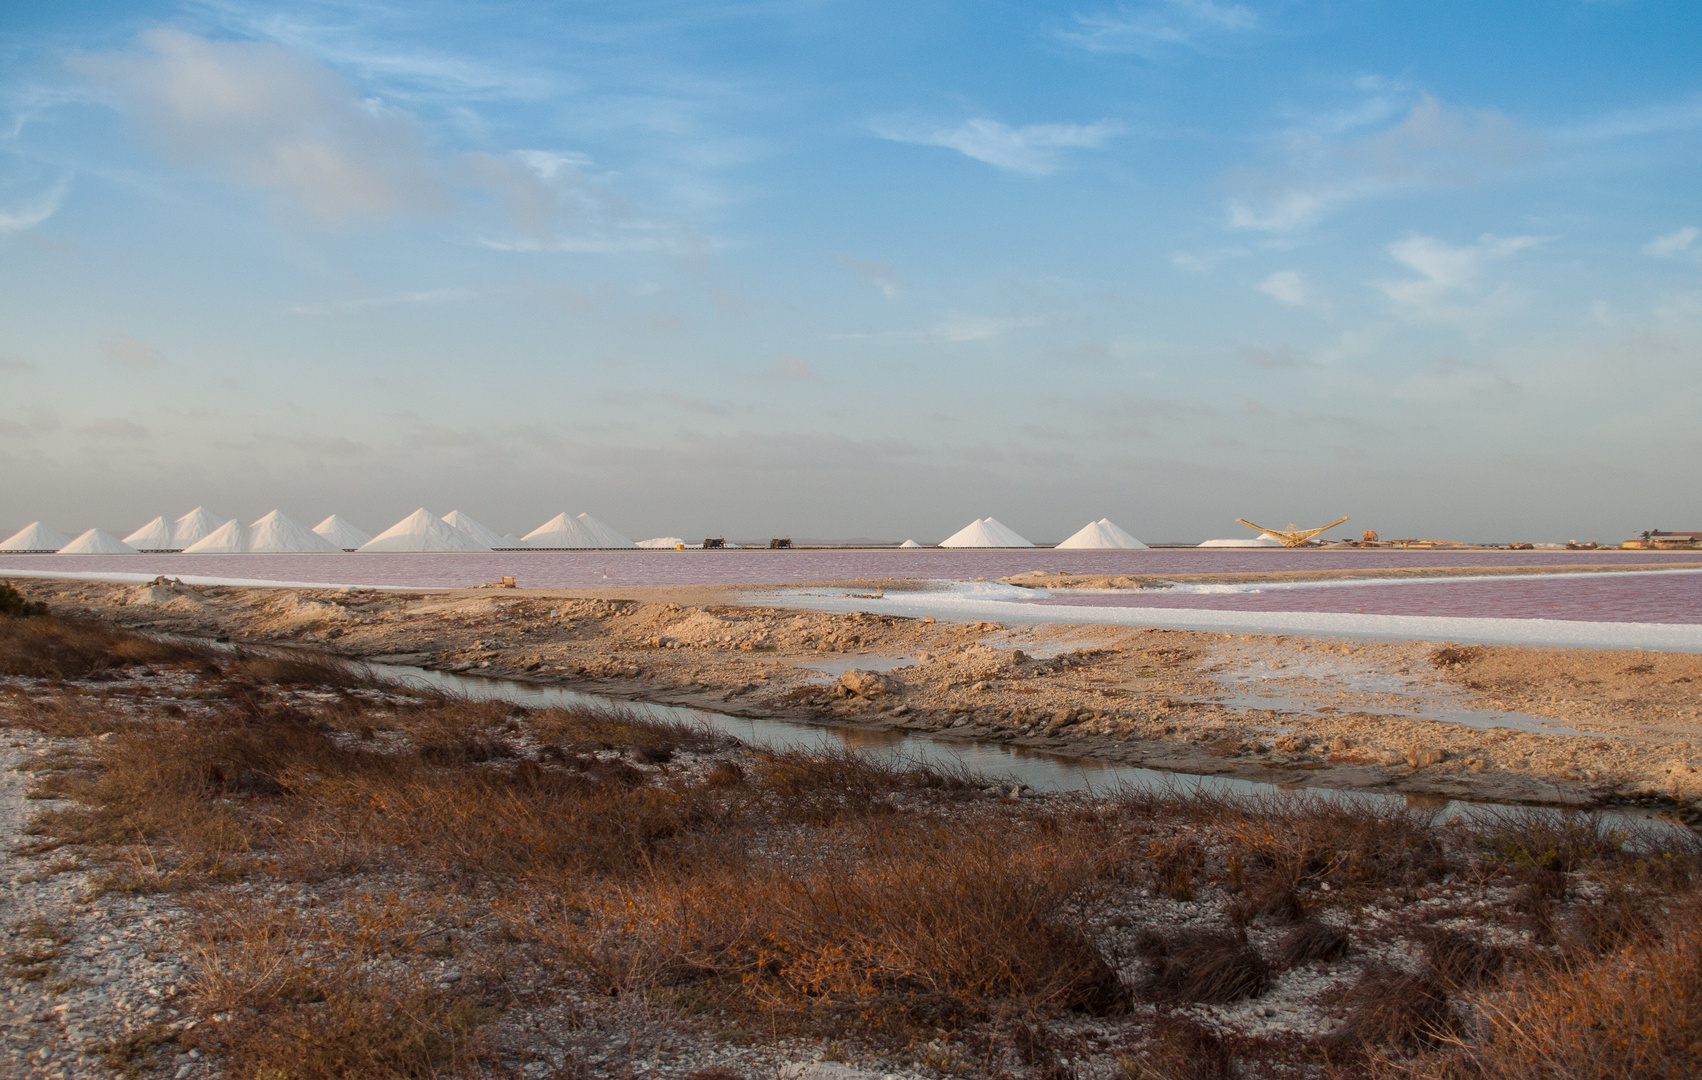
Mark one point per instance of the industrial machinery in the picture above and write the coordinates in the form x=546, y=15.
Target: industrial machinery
x=1291, y=536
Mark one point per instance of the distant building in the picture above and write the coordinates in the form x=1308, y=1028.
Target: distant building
x=1657, y=538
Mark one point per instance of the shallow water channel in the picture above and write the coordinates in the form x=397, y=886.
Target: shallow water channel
x=1006, y=766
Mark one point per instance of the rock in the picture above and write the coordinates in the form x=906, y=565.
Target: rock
x=863, y=684
x=1293, y=744
x=1420, y=756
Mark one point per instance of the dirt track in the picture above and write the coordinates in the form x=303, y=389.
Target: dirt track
x=1285, y=709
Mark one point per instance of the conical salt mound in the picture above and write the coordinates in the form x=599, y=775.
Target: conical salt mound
x=231, y=538
x=193, y=526
x=488, y=537
x=35, y=537
x=560, y=532
x=154, y=536
x=97, y=542
x=604, y=535
x=423, y=530
x=275, y=532
x=910, y=544
x=985, y=533
x=343, y=536
x=1101, y=535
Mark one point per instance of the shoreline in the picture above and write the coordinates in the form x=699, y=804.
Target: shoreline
x=1287, y=709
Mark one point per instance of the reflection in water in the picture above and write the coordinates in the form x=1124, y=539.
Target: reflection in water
x=997, y=762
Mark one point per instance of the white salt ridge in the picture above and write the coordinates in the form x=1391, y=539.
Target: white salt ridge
x=661, y=542
x=423, y=530
x=154, y=536
x=1242, y=542
x=996, y=602
x=488, y=537
x=193, y=526
x=97, y=542
x=1102, y=535
x=340, y=532
x=985, y=533
x=276, y=533
x=35, y=537
x=231, y=538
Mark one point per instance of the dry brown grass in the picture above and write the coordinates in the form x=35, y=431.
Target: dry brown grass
x=1212, y=966
x=51, y=647
x=907, y=922
x=1634, y=1015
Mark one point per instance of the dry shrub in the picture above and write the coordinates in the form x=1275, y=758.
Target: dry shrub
x=301, y=668
x=1182, y=1048
x=912, y=921
x=1390, y=1009
x=50, y=647
x=823, y=787
x=1271, y=900
x=1212, y=966
x=304, y=1009
x=66, y=715
x=1636, y=1015
x=1310, y=941
x=1462, y=961
x=1345, y=841
x=586, y=730
x=1551, y=840
x=14, y=606
x=1175, y=861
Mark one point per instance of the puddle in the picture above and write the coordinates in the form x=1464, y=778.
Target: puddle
x=998, y=762
x=833, y=669
x=1379, y=693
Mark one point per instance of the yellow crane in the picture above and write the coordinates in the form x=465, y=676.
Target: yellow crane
x=1292, y=537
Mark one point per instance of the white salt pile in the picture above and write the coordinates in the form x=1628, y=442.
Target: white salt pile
x=661, y=542
x=985, y=533
x=580, y=532
x=488, y=537
x=910, y=544
x=1240, y=542
x=276, y=533
x=156, y=535
x=423, y=530
x=193, y=526
x=35, y=537
x=97, y=542
x=1102, y=535
x=344, y=536
x=231, y=538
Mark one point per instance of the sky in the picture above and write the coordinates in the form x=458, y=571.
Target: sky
x=869, y=269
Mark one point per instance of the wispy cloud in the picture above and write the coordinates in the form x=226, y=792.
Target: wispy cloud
x=1445, y=272
x=126, y=351
x=1143, y=28
x=114, y=428
x=879, y=274
x=1450, y=380
x=1288, y=287
x=345, y=307
x=1433, y=145
x=957, y=327
x=16, y=363
x=1673, y=244
x=1032, y=149
x=1657, y=119
x=271, y=119
x=32, y=210
x=791, y=369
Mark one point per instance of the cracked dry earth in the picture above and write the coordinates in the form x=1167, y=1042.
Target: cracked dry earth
x=1497, y=723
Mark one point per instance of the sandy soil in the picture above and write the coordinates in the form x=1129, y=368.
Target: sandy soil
x=1284, y=709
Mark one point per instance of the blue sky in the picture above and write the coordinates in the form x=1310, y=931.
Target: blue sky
x=835, y=269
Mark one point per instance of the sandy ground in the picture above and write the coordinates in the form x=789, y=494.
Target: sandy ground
x=1581, y=727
